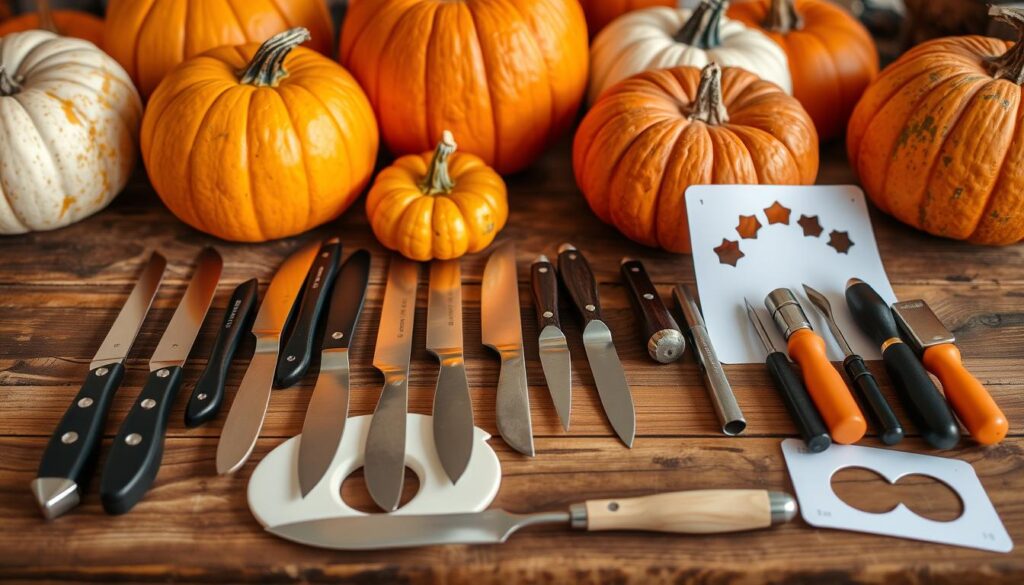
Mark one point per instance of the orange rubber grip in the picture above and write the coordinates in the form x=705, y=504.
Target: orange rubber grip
x=970, y=400
x=826, y=386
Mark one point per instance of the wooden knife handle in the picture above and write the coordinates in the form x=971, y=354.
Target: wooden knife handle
x=579, y=281
x=659, y=331
x=827, y=388
x=691, y=512
x=972, y=403
x=544, y=286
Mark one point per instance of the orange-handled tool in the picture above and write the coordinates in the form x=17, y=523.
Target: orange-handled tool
x=824, y=383
x=970, y=400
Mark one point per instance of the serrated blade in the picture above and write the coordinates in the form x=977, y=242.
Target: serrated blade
x=126, y=327
x=181, y=332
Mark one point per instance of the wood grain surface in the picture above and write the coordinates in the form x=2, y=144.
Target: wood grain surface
x=60, y=291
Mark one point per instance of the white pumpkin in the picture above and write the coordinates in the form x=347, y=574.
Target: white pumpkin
x=69, y=128
x=662, y=38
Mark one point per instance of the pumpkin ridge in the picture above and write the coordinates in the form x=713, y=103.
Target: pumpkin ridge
x=677, y=127
x=745, y=134
x=615, y=208
x=138, y=32
x=190, y=211
x=990, y=197
x=35, y=67
x=386, y=48
x=25, y=221
x=310, y=199
x=281, y=13
x=487, y=85
x=334, y=122
x=547, y=71
x=427, y=98
x=238, y=17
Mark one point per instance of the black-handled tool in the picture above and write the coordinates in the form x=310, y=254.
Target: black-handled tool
x=794, y=394
x=297, y=352
x=924, y=403
x=208, y=394
x=660, y=332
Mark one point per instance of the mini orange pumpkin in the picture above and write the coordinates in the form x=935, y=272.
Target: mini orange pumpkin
x=651, y=136
x=254, y=143
x=68, y=23
x=438, y=205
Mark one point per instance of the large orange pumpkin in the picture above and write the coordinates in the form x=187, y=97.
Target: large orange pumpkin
x=150, y=37
x=938, y=138
x=505, y=77
x=255, y=143
x=832, y=57
x=601, y=12
x=650, y=137
x=68, y=23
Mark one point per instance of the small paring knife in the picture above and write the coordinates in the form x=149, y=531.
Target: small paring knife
x=553, y=347
x=661, y=334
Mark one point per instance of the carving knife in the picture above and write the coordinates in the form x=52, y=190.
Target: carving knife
x=71, y=453
x=138, y=447
x=554, y=349
x=597, y=341
x=384, y=465
x=328, y=407
x=689, y=512
x=245, y=419
x=453, y=407
x=661, y=335
x=502, y=330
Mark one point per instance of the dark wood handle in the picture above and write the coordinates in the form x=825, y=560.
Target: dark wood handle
x=544, y=281
x=579, y=281
x=656, y=323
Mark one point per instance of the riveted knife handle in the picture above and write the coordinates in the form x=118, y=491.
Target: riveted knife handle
x=890, y=431
x=923, y=401
x=798, y=402
x=579, y=281
x=208, y=394
x=297, y=352
x=544, y=285
x=660, y=332
x=138, y=447
x=347, y=300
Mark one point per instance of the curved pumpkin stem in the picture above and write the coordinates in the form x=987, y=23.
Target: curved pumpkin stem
x=267, y=66
x=702, y=29
x=707, y=106
x=1009, y=65
x=437, y=179
x=45, y=12
x=783, y=17
x=7, y=85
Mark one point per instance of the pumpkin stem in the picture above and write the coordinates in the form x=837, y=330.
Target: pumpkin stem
x=267, y=66
x=1009, y=65
x=437, y=179
x=45, y=12
x=7, y=85
x=783, y=17
x=702, y=29
x=707, y=106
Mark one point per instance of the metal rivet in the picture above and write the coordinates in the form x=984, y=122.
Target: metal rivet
x=102, y=372
x=69, y=437
x=548, y=314
x=613, y=506
x=201, y=396
x=590, y=308
x=148, y=403
x=85, y=402
x=163, y=373
x=337, y=335
x=290, y=358
x=649, y=296
x=635, y=269
x=324, y=255
x=133, y=439
x=572, y=256
x=543, y=270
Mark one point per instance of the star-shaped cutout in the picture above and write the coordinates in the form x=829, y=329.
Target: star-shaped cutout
x=812, y=227
x=729, y=252
x=748, y=227
x=840, y=241
x=777, y=214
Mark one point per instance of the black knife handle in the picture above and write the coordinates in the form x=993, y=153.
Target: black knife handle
x=659, y=331
x=297, y=352
x=138, y=447
x=579, y=281
x=74, y=445
x=799, y=404
x=871, y=312
x=890, y=431
x=925, y=405
x=347, y=300
x=544, y=286
x=208, y=394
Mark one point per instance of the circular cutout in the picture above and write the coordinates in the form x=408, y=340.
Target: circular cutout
x=356, y=495
x=869, y=492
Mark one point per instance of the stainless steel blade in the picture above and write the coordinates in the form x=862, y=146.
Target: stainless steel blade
x=444, y=308
x=556, y=362
x=283, y=290
x=188, y=318
x=820, y=302
x=612, y=387
x=129, y=320
x=394, y=335
x=325, y=419
x=380, y=531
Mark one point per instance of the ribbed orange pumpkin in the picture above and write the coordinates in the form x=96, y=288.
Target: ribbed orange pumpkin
x=650, y=137
x=832, y=57
x=150, y=37
x=505, y=76
x=938, y=138
x=255, y=143
x=601, y=12
x=68, y=23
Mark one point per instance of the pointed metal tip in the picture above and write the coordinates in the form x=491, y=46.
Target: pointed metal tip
x=55, y=495
x=565, y=248
x=853, y=281
x=747, y=303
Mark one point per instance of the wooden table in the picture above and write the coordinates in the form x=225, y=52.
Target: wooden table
x=59, y=293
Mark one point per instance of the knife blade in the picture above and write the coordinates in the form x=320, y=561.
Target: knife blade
x=553, y=347
x=501, y=329
x=137, y=451
x=609, y=376
x=71, y=452
x=384, y=465
x=245, y=418
x=327, y=412
x=453, y=407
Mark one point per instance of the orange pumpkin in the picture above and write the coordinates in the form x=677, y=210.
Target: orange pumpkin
x=68, y=23
x=254, y=143
x=650, y=137
x=438, y=205
x=938, y=138
x=150, y=37
x=601, y=12
x=505, y=77
x=832, y=57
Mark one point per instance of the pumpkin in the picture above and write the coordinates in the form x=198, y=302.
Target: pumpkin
x=650, y=137
x=832, y=57
x=505, y=77
x=438, y=205
x=254, y=143
x=661, y=38
x=69, y=124
x=938, y=139
x=70, y=23
x=150, y=37
x=601, y=12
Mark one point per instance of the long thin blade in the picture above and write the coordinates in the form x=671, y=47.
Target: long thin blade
x=126, y=327
x=325, y=419
x=611, y=380
x=187, y=320
x=394, y=335
x=501, y=322
x=557, y=365
x=820, y=301
x=444, y=307
x=283, y=290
